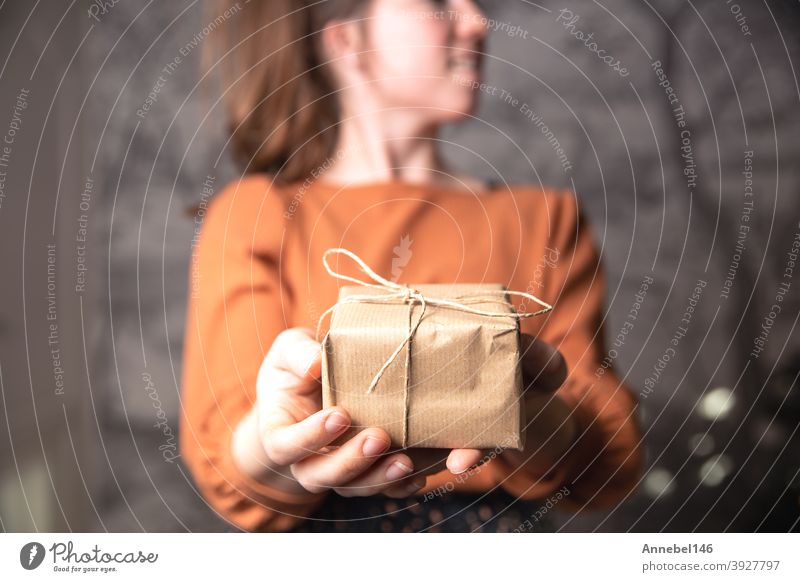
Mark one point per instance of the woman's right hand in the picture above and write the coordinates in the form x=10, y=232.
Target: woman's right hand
x=296, y=433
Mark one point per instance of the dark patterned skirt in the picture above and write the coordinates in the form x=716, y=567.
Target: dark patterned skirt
x=496, y=511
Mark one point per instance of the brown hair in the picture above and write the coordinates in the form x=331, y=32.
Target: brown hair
x=280, y=101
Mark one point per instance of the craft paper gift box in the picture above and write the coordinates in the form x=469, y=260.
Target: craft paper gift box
x=459, y=386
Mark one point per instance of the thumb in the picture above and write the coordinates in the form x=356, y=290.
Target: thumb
x=296, y=351
x=544, y=369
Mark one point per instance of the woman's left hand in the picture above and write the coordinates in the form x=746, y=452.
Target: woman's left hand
x=550, y=430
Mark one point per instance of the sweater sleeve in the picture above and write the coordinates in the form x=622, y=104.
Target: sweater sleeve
x=234, y=315
x=603, y=464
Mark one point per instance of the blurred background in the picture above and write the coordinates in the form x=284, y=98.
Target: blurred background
x=685, y=156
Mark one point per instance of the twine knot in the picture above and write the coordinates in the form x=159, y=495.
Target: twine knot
x=411, y=294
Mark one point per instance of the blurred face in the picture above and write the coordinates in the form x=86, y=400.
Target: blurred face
x=423, y=54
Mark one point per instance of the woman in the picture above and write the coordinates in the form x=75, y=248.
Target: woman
x=334, y=111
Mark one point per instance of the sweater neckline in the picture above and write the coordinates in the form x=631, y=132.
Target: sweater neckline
x=391, y=186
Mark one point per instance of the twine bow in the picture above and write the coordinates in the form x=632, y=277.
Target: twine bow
x=396, y=293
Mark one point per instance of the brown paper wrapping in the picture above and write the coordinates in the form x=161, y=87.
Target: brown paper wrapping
x=465, y=383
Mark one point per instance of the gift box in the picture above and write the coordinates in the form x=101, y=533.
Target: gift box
x=435, y=365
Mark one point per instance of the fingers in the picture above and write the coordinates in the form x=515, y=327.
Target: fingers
x=291, y=424
x=428, y=461
x=384, y=474
x=320, y=472
x=295, y=433
x=406, y=487
x=296, y=350
x=543, y=366
x=461, y=460
x=287, y=441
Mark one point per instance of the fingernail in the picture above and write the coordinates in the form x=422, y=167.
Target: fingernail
x=454, y=470
x=397, y=470
x=336, y=422
x=374, y=446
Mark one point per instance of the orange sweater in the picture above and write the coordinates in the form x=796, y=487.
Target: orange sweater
x=257, y=270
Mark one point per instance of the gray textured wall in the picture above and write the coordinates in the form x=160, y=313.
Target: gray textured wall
x=720, y=424
x=623, y=143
